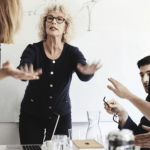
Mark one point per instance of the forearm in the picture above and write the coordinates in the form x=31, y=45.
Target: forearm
x=131, y=125
x=3, y=74
x=123, y=92
x=141, y=104
x=84, y=77
x=123, y=118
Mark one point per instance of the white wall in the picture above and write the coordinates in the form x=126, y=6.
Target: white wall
x=119, y=37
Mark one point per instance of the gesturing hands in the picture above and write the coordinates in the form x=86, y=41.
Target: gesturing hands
x=119, y=89
x=143, y=140
x=9, y=70
x=88, y=69
x=30, y=70
x=115, y=108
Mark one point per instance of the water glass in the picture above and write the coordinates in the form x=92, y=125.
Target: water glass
x=58, y=142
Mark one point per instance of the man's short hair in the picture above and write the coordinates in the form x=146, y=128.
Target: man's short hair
x=144, y=61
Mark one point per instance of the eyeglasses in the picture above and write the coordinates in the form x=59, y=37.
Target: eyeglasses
x=115, y=117
x=50, y=18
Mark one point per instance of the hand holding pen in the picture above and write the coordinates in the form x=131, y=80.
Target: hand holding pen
x=113, y=107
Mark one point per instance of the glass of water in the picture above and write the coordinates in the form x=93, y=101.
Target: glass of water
x=59, y=142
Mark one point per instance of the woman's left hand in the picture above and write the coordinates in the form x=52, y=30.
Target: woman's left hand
x=88, y=69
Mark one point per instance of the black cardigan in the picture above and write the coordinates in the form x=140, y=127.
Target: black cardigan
x=51, y=92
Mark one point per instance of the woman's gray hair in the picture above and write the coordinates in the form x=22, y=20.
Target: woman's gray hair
x=68, y=17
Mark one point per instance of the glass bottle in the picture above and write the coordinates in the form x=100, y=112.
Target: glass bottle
x=93, y=131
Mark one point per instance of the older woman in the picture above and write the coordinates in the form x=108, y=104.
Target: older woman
x=10, y=23
x=50, y=94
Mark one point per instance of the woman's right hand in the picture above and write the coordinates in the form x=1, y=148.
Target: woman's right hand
x=29, y=74
x=30, y=70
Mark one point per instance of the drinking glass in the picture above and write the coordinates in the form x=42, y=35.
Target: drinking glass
x=58, y=142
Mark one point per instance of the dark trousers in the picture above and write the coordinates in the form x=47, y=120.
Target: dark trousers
x=32, y=129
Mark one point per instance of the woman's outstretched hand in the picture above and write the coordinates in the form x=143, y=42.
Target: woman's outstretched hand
x=9, y=70
x=88, y=69
x=29, y=69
